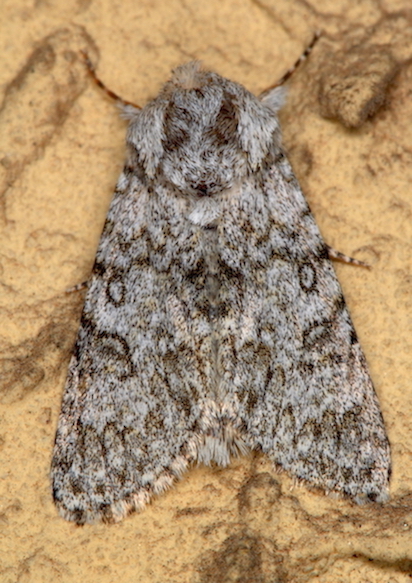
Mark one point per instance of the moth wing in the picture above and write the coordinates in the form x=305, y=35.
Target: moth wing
x=127, y=416
x=299, y=376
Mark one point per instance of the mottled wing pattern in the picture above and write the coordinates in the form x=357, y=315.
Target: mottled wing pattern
x=213, y=322
x=138, y=377
x=289, y=350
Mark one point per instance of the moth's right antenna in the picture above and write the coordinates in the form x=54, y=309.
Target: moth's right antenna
x=290, y=71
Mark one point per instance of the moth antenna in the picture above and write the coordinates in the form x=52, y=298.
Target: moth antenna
x=294, y=67
x=90, y=67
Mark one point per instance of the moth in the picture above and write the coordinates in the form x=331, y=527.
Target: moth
x=213, y=323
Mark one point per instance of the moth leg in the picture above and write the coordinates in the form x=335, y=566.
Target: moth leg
x=78, y=287
x=338, y=256
x=292, y=69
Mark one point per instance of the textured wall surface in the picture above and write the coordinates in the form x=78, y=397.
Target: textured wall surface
x=347, y=127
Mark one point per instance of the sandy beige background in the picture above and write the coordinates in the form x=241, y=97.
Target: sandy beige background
x=348, y=128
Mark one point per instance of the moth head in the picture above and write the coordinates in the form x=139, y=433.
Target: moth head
x=203, y=132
